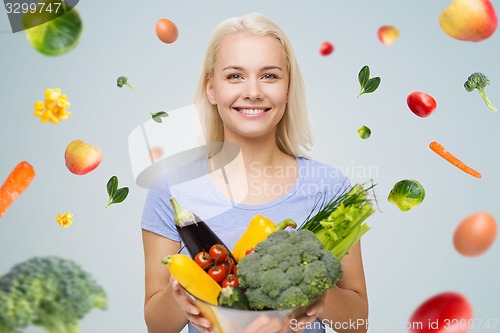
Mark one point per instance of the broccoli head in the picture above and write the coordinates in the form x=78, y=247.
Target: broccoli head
x=286, y=270
x=49, y=292
x=479, y=81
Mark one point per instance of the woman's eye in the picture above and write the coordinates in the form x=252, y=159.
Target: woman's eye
x=269, y=76
x=234, y=77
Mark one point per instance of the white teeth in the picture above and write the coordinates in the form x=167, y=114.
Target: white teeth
x=252, y=111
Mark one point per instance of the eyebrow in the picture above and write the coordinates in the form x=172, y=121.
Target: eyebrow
x=238, y=68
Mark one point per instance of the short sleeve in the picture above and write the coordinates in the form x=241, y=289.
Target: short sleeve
x=157, y=215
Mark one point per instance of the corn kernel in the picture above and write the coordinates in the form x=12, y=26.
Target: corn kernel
x=64, y=220
x=54, y=106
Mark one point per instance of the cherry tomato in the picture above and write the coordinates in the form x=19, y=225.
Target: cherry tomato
x=217, y=272
x=166, y=31
x=218, y=252
x=326, y=48
x=203, y=260
x=442, y=313
x=231, y=280
x=235, y=269
x=421, y=104
x=229, y=265
x=250, y=250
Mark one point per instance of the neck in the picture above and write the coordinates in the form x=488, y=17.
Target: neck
x=262, y=150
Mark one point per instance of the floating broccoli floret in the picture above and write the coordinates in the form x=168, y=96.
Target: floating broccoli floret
x=123, y=81
x=286, y=270
x=48, y=292
x=479, y=81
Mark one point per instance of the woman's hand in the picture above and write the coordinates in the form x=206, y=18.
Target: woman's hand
x=312, y=311
x=187, y=305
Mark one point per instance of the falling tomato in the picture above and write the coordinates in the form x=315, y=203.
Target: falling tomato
x=475, y=234
x=445, y=312
x=326, y=48
x=166, y=31
x=421, y=104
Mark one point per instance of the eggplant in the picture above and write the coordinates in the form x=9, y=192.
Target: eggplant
x=195, y=233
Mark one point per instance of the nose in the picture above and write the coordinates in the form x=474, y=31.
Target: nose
x=253, y=89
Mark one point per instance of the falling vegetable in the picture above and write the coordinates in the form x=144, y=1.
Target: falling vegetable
x=57, y=36
x=64, y=220
x=52, y=293
x=158, y=115
x=326, y=48
x=479, y=81
x=368, y=85
x=441, y=313
x=16, y=183
x=123, y=81
x=407, y=194
x=441, y=151
x=421, y=104
x=116, y=195
x=364, y=132
x=54, y=107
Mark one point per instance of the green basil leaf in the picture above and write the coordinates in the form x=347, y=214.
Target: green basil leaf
x=363, y=76
x=157, y=116
x=371, y=85
x=120, y=195
x=112, y=186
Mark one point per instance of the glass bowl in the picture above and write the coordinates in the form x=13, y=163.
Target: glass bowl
x=226, y=320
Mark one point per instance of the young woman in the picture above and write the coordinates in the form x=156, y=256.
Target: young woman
x=251, y=96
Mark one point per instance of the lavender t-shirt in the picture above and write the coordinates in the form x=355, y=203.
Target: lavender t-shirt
x=193, y=189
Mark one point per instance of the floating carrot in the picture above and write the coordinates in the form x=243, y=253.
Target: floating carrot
x=438, y=149
x=15, y=184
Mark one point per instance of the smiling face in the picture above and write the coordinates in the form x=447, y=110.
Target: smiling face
x=249, y=86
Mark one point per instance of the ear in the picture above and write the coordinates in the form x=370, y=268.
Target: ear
x=210, y=92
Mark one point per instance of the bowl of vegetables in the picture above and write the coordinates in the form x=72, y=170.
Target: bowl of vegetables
x=277, y=281
x=272, y=275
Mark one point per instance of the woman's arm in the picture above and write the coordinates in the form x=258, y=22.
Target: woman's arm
x=161, y=311
x=346, y=307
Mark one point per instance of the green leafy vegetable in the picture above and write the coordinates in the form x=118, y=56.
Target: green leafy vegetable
x=123, y=81
x=368, y=85
x=158, y=115
x=50, y=292
x=116, y=195
x=57, y=36
x=407, y=194
x=479, y=81
x=339, y=223
x=364, y=132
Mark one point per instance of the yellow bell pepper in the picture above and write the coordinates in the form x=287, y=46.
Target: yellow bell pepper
x=258, y=229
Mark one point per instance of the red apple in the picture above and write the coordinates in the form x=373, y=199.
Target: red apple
x=82, y=158
x=469, y=20
x=387, y=34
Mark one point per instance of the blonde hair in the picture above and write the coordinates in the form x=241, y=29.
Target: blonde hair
x=293, y=132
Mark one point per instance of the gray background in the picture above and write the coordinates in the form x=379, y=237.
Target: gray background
x=408, y=256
